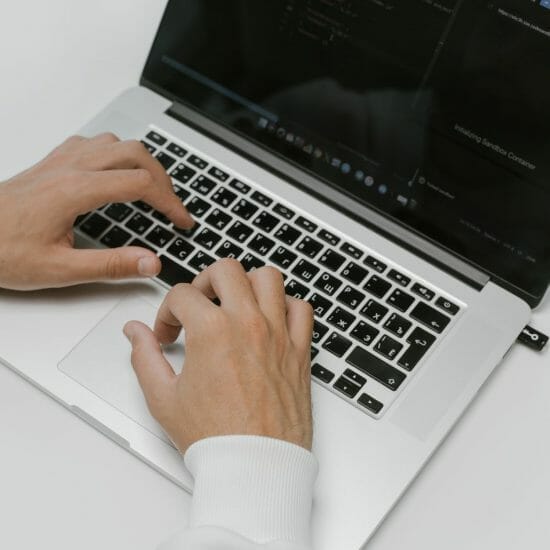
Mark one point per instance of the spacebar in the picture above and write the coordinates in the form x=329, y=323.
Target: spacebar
x=172, y=273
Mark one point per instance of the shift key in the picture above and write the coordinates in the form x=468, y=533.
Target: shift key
x=376, y=368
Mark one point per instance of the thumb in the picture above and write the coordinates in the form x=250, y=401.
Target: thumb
x=90, y=265
x=155, y=375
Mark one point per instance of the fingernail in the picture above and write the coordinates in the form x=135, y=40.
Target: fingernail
x=147, y=266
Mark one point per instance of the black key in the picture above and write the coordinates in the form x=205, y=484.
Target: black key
x=398, y=325
x=198, y=162
x=182, y=193
x=80, y=219
x=305, y=270
x=166, y=160
x=319, y=304
x=388, y=347
x=218, y=174
x=364, y=332
x=350, y=297
x=287, y=234
x=283, y=257
x=321, y=373
x=376, y=368
x=197, y=207
x=187, y=233
x=200, y=261
x=377, y=265
x=403, y=280
x=240, y=231
x=347, y=387
x=314, y=353
x=351, y=250
x=203, y=185
x=370, y=403
x=447, y=305
x=327, y=283
x=173, y=273
x=341, y=319
x=430, y=317
x=149, y=147
x=421, y=290
x=118, y=211
x=310, y=247
x=182, y=173
x=139, y=223
x=336, y=344
x=319, y=331
x=261, y=244
x=141, y=244
x=159, y=236
x=180, y=152
x=374, y=311
x=94, y=226
x=115, y=237
x=377, y=286
x=224, y=197
x=296, y=289
x=142, y=206
x=306, y=224
x=328, y=237
x=244, y=209
x=420, y=342
x=355, y=273
x=218, y=219
x=283, y=211
x=156, y=138
x=240, y=186
x=181, y=249
x=161, y=217
x=208, y=238
x=265, y=221
x=400, y=300
x=332, y=260
x=261, y=198
x=250, y=262
x=355, y=377
x=229, y=250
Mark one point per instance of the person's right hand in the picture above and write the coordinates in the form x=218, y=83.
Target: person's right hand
x=247, y=361
x=39, y=207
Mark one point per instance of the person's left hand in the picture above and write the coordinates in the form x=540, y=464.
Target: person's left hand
x=39, y=207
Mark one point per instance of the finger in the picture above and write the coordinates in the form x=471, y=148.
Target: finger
x=99, y=188
x=227, y=280
x=268, y=287
x=106, y=138
x=82, y=266
x=155, y=375
x=183, y=306
x=299, y=320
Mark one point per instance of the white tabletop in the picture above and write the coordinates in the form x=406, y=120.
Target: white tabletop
x=65, y=486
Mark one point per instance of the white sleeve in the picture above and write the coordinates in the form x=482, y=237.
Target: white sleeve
x=250, y=493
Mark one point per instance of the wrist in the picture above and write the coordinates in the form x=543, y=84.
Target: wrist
x=256, y=486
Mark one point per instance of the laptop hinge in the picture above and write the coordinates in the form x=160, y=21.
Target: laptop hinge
x=336, y=198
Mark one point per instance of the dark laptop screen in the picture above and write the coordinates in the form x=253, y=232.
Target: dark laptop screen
x=435, y=112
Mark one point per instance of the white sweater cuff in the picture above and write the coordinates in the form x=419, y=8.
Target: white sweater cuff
x=258, y=487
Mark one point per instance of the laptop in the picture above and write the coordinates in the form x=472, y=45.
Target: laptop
x=390, y=158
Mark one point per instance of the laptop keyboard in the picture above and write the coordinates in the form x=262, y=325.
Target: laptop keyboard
x=378, y=319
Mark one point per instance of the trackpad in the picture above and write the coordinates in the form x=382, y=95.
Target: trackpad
x=101, y=362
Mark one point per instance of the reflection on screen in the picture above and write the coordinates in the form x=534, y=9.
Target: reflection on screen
x=435, y=112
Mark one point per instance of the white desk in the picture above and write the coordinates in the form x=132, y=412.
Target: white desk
x=488, y=487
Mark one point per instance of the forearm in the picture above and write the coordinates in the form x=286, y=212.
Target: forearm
x=250, y=492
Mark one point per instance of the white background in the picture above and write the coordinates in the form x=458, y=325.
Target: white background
x=65, y=486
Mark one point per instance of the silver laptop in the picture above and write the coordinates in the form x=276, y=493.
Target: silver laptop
x=391, y=158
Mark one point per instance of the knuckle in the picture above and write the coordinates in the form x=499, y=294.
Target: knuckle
x=135, y=147
x=113, y=266
x=109, y=136
x=143, y=178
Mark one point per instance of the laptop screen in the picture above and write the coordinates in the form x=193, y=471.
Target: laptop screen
x=436, y=113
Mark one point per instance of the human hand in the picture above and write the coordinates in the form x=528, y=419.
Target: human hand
x=246, y=368
x=39, y=207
